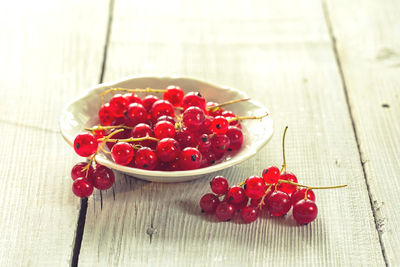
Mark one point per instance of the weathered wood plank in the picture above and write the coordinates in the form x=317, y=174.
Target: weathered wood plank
x=368, y=49
x=280, y=53
x=49, y=51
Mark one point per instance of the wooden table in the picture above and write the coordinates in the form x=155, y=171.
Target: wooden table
x=328, y=69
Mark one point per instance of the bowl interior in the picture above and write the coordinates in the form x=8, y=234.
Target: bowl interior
x=82, y=112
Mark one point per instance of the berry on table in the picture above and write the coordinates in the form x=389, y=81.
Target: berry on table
x=103, y=177
x=271, y=175
x=287, y=188
x=300, y=194
x=305, y=211
x=279, y=203
x=81, y=187
x=219, y=185
x=235, y=194
x=77, y=171
x=255, y=187
x=225, y=211
x=209, y=203
x=249, y=214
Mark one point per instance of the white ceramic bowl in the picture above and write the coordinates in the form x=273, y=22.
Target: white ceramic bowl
x=82, y=112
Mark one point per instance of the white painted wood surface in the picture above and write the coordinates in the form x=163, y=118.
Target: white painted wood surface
x=280, y=53
x=49, y=51
x=371, y=62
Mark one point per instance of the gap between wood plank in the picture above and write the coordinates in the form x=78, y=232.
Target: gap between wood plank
x=362, y=160
x=84, y=202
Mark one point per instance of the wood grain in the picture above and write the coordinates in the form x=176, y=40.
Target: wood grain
x=49, y=51
x=280, y=53
x=370, y=64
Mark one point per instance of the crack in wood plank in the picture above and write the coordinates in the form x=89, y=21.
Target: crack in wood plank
x=378, y=218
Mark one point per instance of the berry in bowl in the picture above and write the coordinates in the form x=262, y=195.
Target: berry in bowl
x=161, y=129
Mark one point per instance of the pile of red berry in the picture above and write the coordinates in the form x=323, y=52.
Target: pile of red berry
x=277, y=191
x=178, y=132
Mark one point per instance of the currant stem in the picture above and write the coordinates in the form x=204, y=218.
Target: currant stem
x=227, y=103
x=147, y=90
x=101, y=127
x=264, y=196
x=248, y=118
x=310, y=187
x=283, y=149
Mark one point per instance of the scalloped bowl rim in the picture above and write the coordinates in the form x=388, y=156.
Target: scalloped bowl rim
x=170, y=174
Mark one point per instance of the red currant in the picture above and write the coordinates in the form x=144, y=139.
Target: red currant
x=219, y=125
x=167, y=150
x=225, y=211
x=279, y=203
x=122, y=153
x=235, y=137
x=148, y=101
x=77, y=172
x=271, y=175
x=193, y=117
x=85, y=144
x=288, y=188
x=219, y=185
x=193, y=99
x=300, y=195
x=164, y=129
x=143, y=130
x=189, y=158
x=205, y=127
x=186, y=138
x=105, y=115
x=255, y=187
x=220, y=143
x=174, y=95
x=166, y=118
x=99, y=134
x=120, y=135
x=305, y=211
x=160, y=108
x=118, y=105
x=208, y=158
x=82, y=187
x=209, y=203
x=146, y=159
x=132, y=98
x=249, y=214
x=214, y=112
x=103, y=177
x=235, y=195
x=136, y=114
x=204, y=143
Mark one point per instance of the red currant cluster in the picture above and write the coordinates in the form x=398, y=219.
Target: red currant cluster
x=179, y=132
x=276, y=191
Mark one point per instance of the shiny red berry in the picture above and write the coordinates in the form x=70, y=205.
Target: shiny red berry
x=271, y=175
x=174, y=94
x=103, y=177
x=287, y=188
x=278, y=203
x=220, y=143
x=132, y=98
x=204, y=143
x=255, y=187
x=219, y=185
x=81, y=187
x=85, y=144
x=305, y=211
x=146, y=159
x=136, y=113
x=300, y=195
x=166, y=118
x=249, y=214
x=193, y=117
x=161, y=108
x=164, y=129
x=122, y=153
x=219, y=125
x=118, y=105
x=193, y=99
x=77, y=172
x=186, y=138
x=148, y=102
x=167, y=150
x=189, y=158
x=235, y=136
x=143, y=130
x=214, y=112
x=105, y=115
x=235, y=194
x=209, y=203
x=225, y=211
